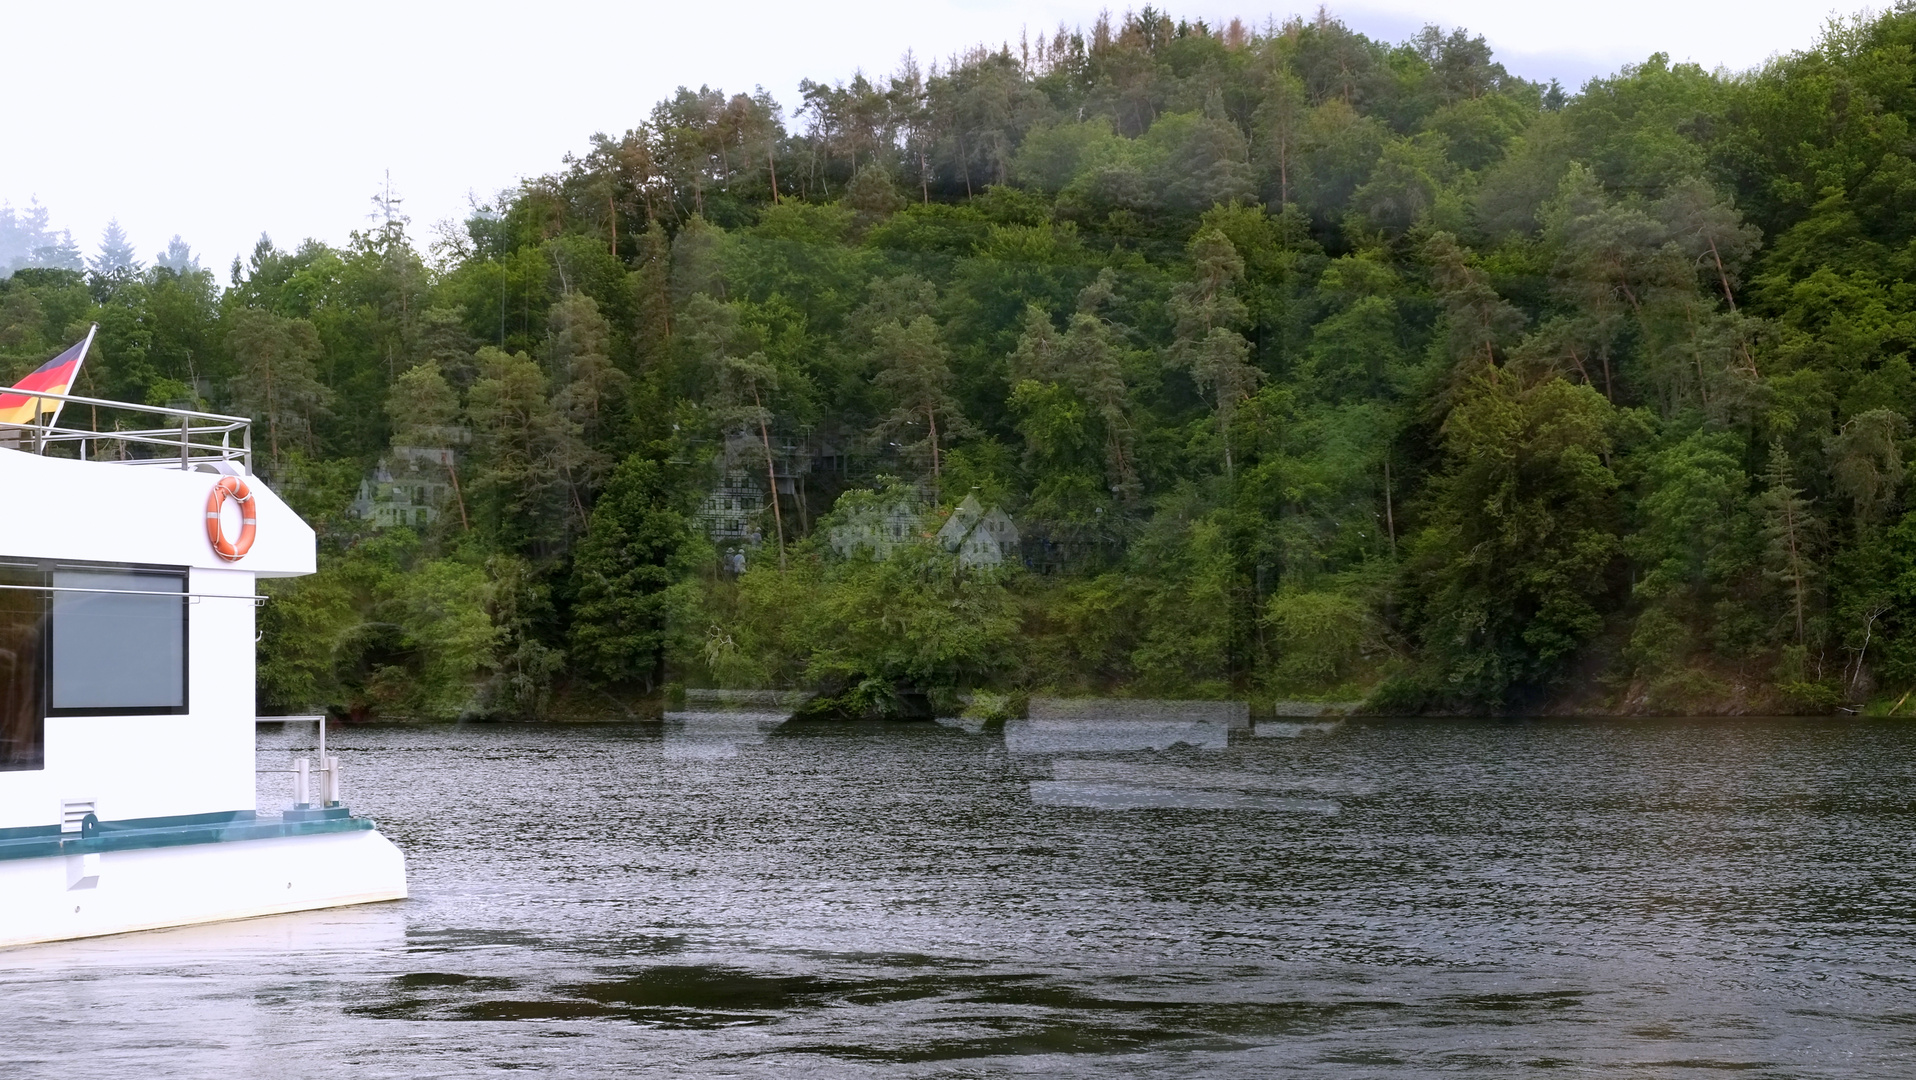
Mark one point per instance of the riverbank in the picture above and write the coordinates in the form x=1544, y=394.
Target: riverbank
x=1638, y=699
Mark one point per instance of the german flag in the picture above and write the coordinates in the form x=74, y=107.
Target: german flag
x=54, y=377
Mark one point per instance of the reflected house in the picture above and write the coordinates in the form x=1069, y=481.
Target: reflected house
x=730, y=511
x=980, y=537
x=881, y=525
x=736, y=511
x=408, y=487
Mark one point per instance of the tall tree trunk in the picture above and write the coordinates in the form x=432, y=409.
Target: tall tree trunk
x=931, y=421
x=1798, y=587
x=1224, y=431
x=452, y=474
x=272, y=420
x=1696, y=352
x=771, y=477
x=1722, y=275
x=1390, y=520
x=1283, y=172
x=1581, y=370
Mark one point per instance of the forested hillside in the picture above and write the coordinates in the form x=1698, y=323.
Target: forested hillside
x=1306, y=366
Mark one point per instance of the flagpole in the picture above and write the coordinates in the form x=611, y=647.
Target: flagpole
x=85, y=347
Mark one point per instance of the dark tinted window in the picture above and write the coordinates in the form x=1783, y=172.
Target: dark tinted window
x=22, y=645
x=119, y=642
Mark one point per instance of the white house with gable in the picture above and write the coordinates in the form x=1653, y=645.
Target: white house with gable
x=980, y=537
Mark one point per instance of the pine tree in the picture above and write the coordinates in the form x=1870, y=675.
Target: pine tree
x=1093, y=366
x=917, y=375
x=517, y=436
x=872, y=196
x=1087, y=359
x=178, y=257
x=638, y=553
x=1479, y=322
x=443, y=341
x=1866, y=462
x=424, y=410
x=1789, y=532
x=278, y=381
x=27, y=239
x=1207, y=309
x=652, y=290
x=116, y=255
x=578, y=350
x=744, y=382
x=1280, y=118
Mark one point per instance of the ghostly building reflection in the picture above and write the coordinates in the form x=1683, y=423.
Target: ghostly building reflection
x=715, y=735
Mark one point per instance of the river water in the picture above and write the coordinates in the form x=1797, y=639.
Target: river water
x=725, y=896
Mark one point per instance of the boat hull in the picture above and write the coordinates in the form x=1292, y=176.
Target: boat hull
x=61, y=897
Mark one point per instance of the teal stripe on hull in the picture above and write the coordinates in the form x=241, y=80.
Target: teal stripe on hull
x=131, y=835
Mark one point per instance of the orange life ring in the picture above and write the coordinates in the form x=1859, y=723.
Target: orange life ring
x=231, y=487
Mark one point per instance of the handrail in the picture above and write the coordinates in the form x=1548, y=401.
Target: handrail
x=164, y=410
x=256, y=598
x=189, y=443
x=302, y=769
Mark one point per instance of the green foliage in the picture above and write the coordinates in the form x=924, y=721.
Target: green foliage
x=915, y=620
x=380, y=630
x=1189, y=601
x=1299, y=360
x=520, y=446
x=633, y=578
x=1521, y=537
x=277, y=382
x=1320, y=637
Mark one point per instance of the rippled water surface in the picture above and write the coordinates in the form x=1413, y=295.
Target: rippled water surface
x=727, y=896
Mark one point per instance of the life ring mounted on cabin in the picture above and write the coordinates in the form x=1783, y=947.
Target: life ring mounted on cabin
x=231, y=487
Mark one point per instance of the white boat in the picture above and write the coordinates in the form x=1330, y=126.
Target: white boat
x=127, y=713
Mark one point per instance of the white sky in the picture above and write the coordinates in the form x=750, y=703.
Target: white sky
x=220, y=120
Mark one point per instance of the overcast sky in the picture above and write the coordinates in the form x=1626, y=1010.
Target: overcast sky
x=219, y=121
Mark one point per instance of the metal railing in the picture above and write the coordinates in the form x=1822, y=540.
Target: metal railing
x=190, y=438
x=303, y=772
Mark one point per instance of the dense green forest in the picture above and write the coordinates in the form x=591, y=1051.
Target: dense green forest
x=1307, y=366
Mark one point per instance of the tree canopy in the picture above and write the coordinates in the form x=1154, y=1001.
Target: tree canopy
x=1306, y=365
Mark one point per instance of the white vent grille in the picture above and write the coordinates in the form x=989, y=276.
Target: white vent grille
x=73, y=811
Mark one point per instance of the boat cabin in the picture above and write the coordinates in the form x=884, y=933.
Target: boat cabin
x=129, y=569
x=126, y=639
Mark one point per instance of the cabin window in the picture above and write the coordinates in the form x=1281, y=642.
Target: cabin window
x=118, y=645
x=23, y=729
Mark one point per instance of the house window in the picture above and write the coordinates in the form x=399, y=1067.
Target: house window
x=23, y=729
x=118, y=642
x=86, y=640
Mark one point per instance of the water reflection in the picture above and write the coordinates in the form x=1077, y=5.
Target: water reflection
x=1081, y=736
x=1489, y=898
x=1291, y=729
x=306, y=937
x=967, y=724
x=1120, y=796
x=1147, y=785
x=717, y=734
